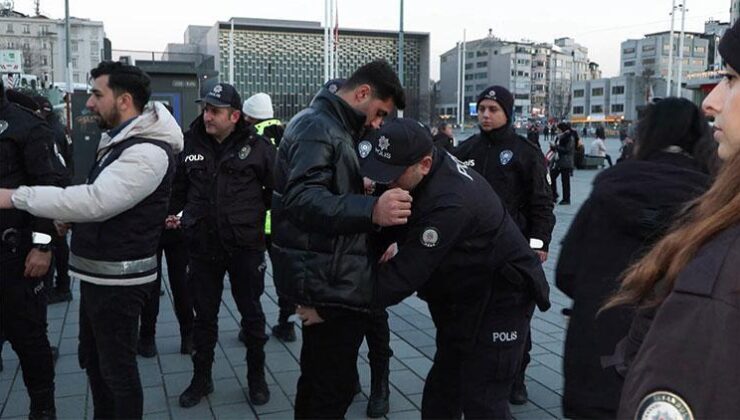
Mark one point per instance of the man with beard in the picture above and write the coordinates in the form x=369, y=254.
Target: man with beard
x=117, y=220
x=516, y=170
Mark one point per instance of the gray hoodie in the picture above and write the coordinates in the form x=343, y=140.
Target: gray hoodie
x=121, y=185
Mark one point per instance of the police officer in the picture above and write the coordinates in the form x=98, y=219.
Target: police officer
x=27, y=158
x=259, y=112
x=516, y=170
x=227, y=187
x=465, y=256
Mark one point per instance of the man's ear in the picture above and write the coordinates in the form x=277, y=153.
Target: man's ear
x=235, y=116
x=363, y=92
x=426, y=164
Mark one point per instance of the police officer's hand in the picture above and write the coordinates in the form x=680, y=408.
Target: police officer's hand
x=308, y=315
x=37, y=263
x=172, y=222
x=5, y=201
x=392, y=208
x=369, y=185
x=542, y=255
x=61, y=227
x=389, y=253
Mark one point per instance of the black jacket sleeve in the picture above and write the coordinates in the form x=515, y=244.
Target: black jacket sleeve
x=267, y=177
x=43, y=167
x=414, y=264
x=180, y=186
x=308, y=199
x=570, y=258
x=541, y=219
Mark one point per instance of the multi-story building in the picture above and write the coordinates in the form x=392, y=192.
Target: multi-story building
x=285, y=59
x=734, y=11
x=42, y=43
x=539, y=75
x=649, y=56
x=612, y=100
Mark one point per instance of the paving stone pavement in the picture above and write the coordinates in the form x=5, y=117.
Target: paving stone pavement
x=412, y=339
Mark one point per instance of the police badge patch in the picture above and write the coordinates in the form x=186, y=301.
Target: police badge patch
x=430, y=237
x=505, y=156
x=3, y=126
x=663, y=405
x=364, y=148
x=244, y=152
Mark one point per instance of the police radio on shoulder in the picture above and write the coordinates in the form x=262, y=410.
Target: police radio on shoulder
x=41, y=241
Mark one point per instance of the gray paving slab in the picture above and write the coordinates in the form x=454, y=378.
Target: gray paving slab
x=412, y=339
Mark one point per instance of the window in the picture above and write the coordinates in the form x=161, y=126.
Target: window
x=468, y=66
x=629, y=63
x=481, y=53
x=26, y=45
x=578, y=93
x=444, y=59
x=481, y=87
x=10, y=28
x=44, y=45
x=481, y=65
x=618, y=108
x=617, y=90
x=597, y=109
x=597, y=92
x=74, y=63
x=649, y=47
x=628, y=51
x=699, y=50
x=44, y=29
x=523, y=96
x=75, y=46
x=44, y=61
x=697, y=62
x=648, y=61
x=578, y=110
x=469, y=55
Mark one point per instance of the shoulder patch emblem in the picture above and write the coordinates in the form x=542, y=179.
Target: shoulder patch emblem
x=430, y=237
x=663, y=405
x=3, y=126
x=364, y=148
x=244, y=152
x=505, y=156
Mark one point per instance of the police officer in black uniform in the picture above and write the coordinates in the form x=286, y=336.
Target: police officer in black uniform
x=516, y=170
x=465, y=256
x=227, y=190
x=27, y=158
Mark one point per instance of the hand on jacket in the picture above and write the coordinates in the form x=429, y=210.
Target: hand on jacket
x=172, y=222
x=5, y=201
x=392, y=208
x=308, y=315
x=62, y=228
x=389, y=253
x=37, y=263
x=542, y=255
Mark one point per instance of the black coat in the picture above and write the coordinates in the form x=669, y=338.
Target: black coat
x=630, y=207
x=691, y=350
x=443, y=142
x=225, y=196
x=321, y=216
x=565, y=145
x=516, y=170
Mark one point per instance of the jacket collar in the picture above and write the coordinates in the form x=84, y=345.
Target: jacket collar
x=350, y=118
x=498, y=133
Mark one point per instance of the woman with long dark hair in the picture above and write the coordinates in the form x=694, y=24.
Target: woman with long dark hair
x=565, y=145
x=688, y=364
x=630, y=207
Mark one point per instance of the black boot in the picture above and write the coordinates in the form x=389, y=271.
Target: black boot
x=200, y=386
x=259, y=393
x=146, y=347
x=519, y=394
x=377, y=405
x=42, y=405
x=284, y=331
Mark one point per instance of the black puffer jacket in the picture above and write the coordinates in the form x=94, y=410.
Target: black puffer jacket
x=320, y=215
x=629, y=209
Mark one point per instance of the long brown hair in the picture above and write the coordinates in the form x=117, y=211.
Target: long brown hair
x=716, y=210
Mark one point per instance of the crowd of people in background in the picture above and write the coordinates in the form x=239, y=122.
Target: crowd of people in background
x=358, y=210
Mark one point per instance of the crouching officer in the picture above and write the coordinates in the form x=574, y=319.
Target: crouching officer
x=27, y=158
x=467, y=258
x=226, y=188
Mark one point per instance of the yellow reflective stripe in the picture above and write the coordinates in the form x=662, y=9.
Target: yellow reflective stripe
x=268, y=223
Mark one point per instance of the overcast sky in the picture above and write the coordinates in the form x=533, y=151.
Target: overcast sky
x=597, y=24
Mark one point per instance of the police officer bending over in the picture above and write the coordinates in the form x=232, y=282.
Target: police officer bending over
x=516, y=170
x=27, y=158
x=466, y=257
x=226, y=191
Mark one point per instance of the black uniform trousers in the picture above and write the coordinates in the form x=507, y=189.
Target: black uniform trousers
x=246, y=270
x=176, y=254
x=287, y=308
x=23, y=322
x=61, y=262
x=109, y=329
x=479, y=351
x=329, y=352
x=566, y=174
x=378, y=337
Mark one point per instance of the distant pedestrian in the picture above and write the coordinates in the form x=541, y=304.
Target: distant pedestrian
x=546, y=132
x=444, y=139
x=565, y=146
x=630, y=208
x=598, y=147
x=533, y=135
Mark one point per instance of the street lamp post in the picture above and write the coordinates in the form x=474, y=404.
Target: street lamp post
x=400, y=55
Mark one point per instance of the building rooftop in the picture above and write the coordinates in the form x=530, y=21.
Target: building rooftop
x=302, y=25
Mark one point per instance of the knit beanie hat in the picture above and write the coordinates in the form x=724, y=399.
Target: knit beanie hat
x=259, y=106
x=729, y=46
x=502, y=96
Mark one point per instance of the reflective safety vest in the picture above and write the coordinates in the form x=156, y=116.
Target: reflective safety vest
x=260, y=128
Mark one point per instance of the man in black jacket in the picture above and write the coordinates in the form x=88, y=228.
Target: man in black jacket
x=465, y=256
x=321, y=222
x=27, y=158
x=226, y=193
x=516, y=170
